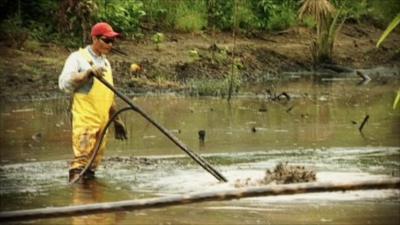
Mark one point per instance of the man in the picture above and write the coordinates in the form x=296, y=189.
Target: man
x=93, y=103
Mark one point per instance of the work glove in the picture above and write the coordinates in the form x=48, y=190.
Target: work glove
x=120, y=130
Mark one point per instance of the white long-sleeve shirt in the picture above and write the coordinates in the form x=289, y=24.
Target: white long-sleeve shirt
x=76, y=63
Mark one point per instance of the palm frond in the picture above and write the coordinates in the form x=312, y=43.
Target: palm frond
x=396, y=100
x=320, y=10
x=389, y=29
x=336, y=24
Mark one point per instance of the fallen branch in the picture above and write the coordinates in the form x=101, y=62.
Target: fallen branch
x=362, y=75
x=363, y=123
x=273, y=190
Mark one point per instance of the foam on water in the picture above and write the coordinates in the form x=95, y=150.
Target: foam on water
x=171, y=175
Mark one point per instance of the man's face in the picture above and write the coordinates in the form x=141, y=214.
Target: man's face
x=103, y=44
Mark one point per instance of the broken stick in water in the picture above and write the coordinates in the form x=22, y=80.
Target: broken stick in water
x=363, y=123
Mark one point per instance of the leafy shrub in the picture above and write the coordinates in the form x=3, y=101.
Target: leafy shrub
x=263, y=10
x=162, y=13
x=14, y=33
x=274, y=14
x=220, y=14
x=158, y=38
x=190, y=16
x=41, y=32
x=358, y=10
x=123, y=15
x=353, y=10
x=282, y=18
x=383, y=11
x=309, y=22
x=245, y=17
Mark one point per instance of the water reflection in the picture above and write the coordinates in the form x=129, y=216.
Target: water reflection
x=320, y=115
x=88, y=192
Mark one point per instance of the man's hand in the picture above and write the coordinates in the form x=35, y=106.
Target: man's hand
x=95, y=71
x=120, y=130
x=80, y=78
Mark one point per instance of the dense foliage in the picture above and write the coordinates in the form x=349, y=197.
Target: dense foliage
x=51, y=20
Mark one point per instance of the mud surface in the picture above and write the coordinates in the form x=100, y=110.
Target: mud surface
x=34, y=69
x=283, y=173
x=286, y=174
x=44, y=184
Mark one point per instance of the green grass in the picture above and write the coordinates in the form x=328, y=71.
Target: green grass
x=383, y=11
x=282, y=19
x=208, y=87
x=191, y=17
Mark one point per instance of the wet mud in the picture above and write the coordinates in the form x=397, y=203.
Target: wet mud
x=32, y=73
x=283, y=173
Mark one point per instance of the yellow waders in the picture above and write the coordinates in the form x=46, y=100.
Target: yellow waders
x=90, y=113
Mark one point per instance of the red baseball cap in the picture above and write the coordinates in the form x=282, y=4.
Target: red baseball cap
x=103, y=29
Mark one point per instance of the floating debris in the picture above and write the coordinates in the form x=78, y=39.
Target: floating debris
x=304, y=116
x=363, y=76
x=202, y=136
x=282, y=96
x=289, y=109
x=37, y=137
x=282, y=174
x=23, y=110
x=363, y=123
x=176, y=131
x=133, y=160
x=262, y=109
x=286, y=174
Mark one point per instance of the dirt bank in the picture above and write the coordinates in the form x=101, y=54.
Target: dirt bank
x=34, y=70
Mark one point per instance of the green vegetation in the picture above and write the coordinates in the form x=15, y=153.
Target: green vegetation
x=385, y=34
x=191, y=16
x=16, y=35
x=327, y=17
x=48, y=20
x=382, y=12
x=124, y=15
x=389, y=29
x=396, y=100
x=217, y=87
x=158, y=38
x=323, y=12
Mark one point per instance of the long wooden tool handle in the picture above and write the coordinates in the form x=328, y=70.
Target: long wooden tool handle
x=201, y=161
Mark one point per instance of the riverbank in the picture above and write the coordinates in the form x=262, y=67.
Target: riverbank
x=183, y=58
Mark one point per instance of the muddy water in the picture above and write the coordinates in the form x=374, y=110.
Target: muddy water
x=317, y=128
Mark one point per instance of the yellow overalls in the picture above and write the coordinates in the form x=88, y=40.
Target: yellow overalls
x=90, y=113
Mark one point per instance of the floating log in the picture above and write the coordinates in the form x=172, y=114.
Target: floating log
x=272, y=190
x=337, y=68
